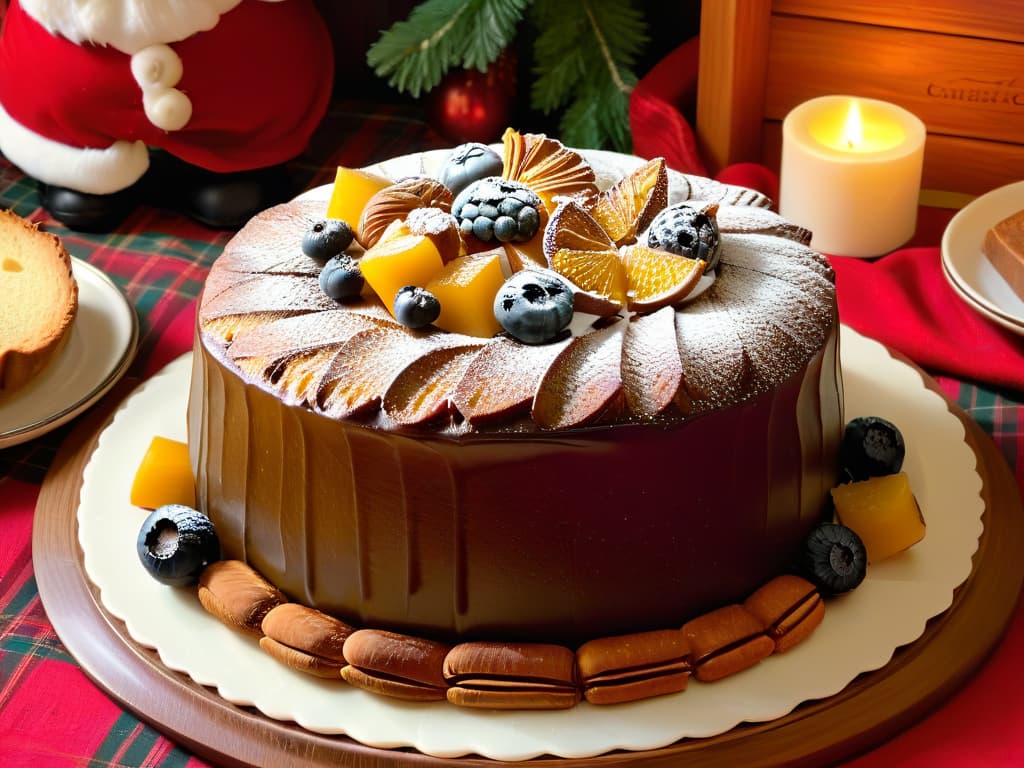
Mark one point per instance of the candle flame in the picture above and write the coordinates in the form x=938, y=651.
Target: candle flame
x=853, y=132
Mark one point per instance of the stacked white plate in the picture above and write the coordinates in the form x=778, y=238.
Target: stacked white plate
x=965, y=265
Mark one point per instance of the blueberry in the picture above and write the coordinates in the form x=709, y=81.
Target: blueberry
x=416, y=307
x=871, y=447
x=468, y=163
x=175, y=543
x=534, y=306
x=341, y=278
x=326, y=238
x=834, y=558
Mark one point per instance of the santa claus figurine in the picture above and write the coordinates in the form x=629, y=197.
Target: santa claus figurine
x=105, y=101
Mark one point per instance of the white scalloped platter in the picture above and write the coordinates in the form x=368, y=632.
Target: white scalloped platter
x=859, y=634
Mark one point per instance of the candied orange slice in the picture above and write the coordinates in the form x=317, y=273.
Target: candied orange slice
x=598, y=272
x=547, y=167
x=657, y=278
x=629, y=206
x=572, y=227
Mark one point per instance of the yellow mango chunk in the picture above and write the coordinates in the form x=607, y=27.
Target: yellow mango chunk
x=352, y=188
x=164, y=476
x=397, y=262
x=466, y=288
x=883, y=512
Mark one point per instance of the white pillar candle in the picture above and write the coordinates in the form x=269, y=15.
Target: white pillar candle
x=851, y=174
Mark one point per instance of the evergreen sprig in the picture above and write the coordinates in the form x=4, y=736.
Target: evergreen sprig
x=583, y=56
x=441, y=34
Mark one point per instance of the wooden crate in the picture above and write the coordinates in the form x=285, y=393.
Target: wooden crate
x=956, y=64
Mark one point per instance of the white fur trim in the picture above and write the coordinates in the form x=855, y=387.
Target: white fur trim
x=96, y=171
x=127, y=25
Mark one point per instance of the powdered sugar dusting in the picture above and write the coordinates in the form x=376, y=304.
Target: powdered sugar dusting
x=269, y=293
x=750, y=220
x=685, y=187
x=715, y=367
x=583, y=383
x=421, y=391
x=271, y=242
x=803, y=268
x=429, y=221
x=651, y=368
x=502, y=379
x=299, y=334
x=765, y=312
x=365, y=365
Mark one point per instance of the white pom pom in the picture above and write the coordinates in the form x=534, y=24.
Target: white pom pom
x=167, y=108
x=157, y=65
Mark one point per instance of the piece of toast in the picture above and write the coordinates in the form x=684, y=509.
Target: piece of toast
x=1004, y=247
x=38, y=300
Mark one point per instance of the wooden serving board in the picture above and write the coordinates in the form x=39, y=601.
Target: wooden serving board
x=872, y=709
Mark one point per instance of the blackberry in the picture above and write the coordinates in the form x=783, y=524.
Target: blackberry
x=175, y=543
x=496, y=209
x=687, y=231
x=871, y=447
x=834, y=559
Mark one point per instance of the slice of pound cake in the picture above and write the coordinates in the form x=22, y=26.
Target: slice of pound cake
x=40, y=300
x=1004, y=246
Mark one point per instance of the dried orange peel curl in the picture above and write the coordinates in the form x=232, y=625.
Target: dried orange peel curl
x=548, y=167
x=630, y=205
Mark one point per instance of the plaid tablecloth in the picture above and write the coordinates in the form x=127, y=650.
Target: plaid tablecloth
x=52, y=716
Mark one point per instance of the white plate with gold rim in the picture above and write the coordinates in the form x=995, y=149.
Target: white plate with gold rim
x=860, y=632
x=97, y=353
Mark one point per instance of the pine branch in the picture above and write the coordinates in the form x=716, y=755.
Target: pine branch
x=584, y=54
x=598, y=117
x=441, y=34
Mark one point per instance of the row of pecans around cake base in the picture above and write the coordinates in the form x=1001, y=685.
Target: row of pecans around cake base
x=510, y=675
x=878, y=518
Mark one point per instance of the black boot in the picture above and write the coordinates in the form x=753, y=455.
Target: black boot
x=86, y=212
x=218, y=200
x=228, y=200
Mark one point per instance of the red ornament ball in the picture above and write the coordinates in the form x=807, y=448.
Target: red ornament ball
x=469, y=105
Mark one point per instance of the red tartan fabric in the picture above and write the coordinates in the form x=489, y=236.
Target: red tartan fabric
x=52, y=716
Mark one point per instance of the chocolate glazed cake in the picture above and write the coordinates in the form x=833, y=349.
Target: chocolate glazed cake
x=627, y=478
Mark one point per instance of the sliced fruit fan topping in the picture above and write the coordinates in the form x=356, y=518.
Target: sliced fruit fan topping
x=507, y=252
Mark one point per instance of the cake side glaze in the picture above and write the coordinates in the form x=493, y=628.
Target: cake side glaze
x=483, y=536
x=330, y=449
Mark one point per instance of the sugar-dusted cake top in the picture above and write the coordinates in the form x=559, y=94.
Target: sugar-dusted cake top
x=641, y=346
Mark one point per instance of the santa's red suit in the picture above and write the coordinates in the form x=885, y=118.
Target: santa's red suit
x=228, y=85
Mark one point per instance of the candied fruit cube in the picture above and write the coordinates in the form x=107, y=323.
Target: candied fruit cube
x=397, y=262
x=466, y=288
x=164, y=476
x=352, y=188
x=883, y=512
